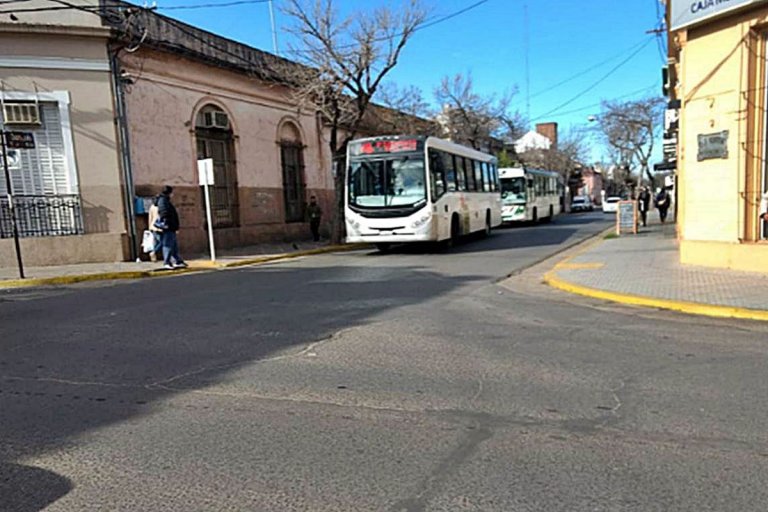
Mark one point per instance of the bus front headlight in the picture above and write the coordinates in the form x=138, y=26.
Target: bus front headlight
x=353, y=225
x=420, y=222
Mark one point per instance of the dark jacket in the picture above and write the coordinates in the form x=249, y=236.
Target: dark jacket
x=314, y=212
x=644, y=200
x=167, y=212
x=662, y=200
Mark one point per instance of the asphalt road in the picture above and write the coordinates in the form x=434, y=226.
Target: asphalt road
x=411, y=381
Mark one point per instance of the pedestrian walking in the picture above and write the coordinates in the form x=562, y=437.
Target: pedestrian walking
x=662, y=203
x=643, y=204
x=168, y=223
x=154, y=215
x=314, y=212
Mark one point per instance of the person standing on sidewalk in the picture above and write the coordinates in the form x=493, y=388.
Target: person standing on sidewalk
x=643, y=203
x=168, y=222
x=156, y=232
x=662, y=203
x=314, y=212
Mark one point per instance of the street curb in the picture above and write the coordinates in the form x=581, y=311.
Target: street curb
x=291, y=255
x=691, y=308
x=195, y=267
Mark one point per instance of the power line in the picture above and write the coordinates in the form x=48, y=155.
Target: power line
x=452, y=15
x=597, y=82
x=210, y=5
x=428, y=24
x=589, y=69
x=595, y=105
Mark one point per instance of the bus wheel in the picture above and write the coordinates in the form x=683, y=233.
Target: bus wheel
x=383, y=246
x=535, y=215
x=455, y=232
x=487, y=231
x=551, y=214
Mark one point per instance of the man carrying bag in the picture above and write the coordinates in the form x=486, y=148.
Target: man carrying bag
x=168, y=222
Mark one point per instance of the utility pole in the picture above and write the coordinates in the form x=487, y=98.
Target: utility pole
x=11, y=208
x=527, y=51
x=274, y=29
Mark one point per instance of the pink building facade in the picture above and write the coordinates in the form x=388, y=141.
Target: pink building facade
x=194, y=101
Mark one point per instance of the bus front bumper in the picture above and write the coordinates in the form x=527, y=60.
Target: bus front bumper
x=387, y=238
x=513, y=213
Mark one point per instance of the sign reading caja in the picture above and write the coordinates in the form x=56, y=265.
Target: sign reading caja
x=687, y=12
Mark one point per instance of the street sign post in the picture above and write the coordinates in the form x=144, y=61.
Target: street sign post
x=205, y=177
x=626, y=217
x=13, y=142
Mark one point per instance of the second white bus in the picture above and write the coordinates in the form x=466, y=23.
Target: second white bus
x=530, y=194
x=403, y=189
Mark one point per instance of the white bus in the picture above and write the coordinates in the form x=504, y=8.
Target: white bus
x=529, y=194
x=418, y=189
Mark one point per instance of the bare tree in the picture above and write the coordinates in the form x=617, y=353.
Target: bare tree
x=406, y=110
x=629, y=128
x=571, y=153
x=345, y=61
x=470, y=118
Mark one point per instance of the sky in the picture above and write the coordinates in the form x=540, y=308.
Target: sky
x=580, y=52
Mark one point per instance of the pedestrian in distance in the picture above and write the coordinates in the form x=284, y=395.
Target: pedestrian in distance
x=643, y=204
x=168, y=223
x=662, y=203
x=156, y=232
x=314, y=213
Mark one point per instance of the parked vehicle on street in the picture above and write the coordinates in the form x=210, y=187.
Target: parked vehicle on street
x=401, y=189
x=582, y=204
x=611, y=204
x=529, y=194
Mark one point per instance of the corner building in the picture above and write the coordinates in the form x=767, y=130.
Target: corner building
x=719, y=75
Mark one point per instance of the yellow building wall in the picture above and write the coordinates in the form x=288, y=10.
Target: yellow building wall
x=713, y=73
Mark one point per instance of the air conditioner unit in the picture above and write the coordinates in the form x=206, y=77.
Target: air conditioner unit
x=21, y=113
x=216, y=120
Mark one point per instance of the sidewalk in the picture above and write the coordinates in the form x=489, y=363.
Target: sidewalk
x=68, y=274
x=644, y=270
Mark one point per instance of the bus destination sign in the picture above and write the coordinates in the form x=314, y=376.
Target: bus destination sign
x=373, y=147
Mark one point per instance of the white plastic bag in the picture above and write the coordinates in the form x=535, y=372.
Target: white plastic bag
x=148, y=241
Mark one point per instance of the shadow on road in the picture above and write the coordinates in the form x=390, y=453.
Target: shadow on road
x=98, y=356
x=28, y=489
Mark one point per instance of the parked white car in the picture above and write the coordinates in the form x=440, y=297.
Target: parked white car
x=581, y=204
x=611, y=204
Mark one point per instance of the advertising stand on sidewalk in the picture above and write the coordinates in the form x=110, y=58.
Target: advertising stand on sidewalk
x=626, y=217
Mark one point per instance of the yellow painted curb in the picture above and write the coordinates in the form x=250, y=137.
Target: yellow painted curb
x=292, y=255
x=693, y=308
x=566, y=265
x=196, y=266
x=104, y=276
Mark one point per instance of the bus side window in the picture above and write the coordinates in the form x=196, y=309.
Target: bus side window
x=461, y=175
x=470, y=173
x=449, y=170
x=486, y=177
x=494, y=178
x=478, y=175
x=437, y=174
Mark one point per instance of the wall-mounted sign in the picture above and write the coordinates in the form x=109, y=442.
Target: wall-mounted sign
x=713, y=145
x=19, y=140
x=688, y=12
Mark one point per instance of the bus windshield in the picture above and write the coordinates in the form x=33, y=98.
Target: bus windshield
x=382, y=183
x=513, y=190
